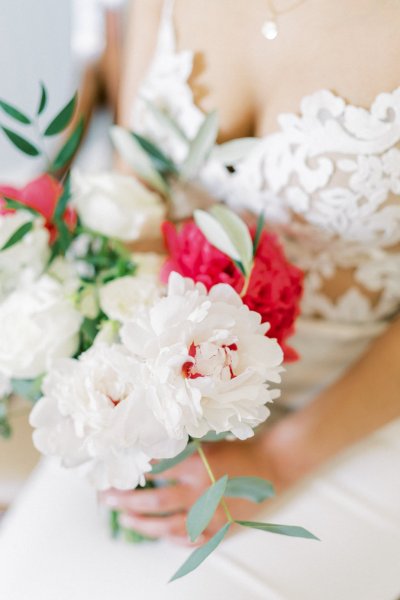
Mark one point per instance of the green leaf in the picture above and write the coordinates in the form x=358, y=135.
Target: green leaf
x=62, y=119
x=134, y=155
x=30, y=389
x=200, y=554
x=254, y=489
x=290, y=530
x=15, y=205
x=43, y=99
x=201, y=146
x=15, y=113
x=161, y=162
x=166, y=122
x=70, y=147
x=63, y=201
x=17, y=235
x=21, y=143
x=115, y=527
x=216, y=234
x=168, y=463
x=259, y=230
x=215, y=437
x=238, y=232
x=5, y=428
x=203, y=509
x=234, y=151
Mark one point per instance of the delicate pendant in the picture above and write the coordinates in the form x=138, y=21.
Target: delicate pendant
x=270, y=30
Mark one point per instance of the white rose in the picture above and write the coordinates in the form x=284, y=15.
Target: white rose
x=26, y=260
x=120, y=299
x=209, y=357
x=117, y=206
x=37, y=325
x=95, y=416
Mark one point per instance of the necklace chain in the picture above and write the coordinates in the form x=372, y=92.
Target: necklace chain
x=270, y=27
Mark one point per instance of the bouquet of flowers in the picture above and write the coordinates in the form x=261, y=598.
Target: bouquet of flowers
x=132, y=377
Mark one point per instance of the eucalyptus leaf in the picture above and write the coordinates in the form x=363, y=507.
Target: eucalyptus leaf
x=254, y=489
x=63, y=118
x=168, y=463
x=216, y=234
x=166, y=122
x=238, y=233
x=200, y=554
x=43, y=99
x=21, y=143
x=203, y=509
x=259, y=230
x=215, y=437
x=70, y=147
x=290, y=530
x=134, y=155
x=15, y=113
x=17, y=235
x=161, y=162
x=232, y=152
x=201, y=146
x=30, y=389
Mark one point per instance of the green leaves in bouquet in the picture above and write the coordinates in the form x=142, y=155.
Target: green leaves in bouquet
x=232, y=152
x=289, y=530
x=168, y=463
x=14, y=205
x=43, y=99
x=200, y=554
x=201, y=146
x=17, y=235
x=136, y=157
x=30, y=389
x=5, y=426
x=259, y=230
x=254, y=489
x=21, y=143
x=15, y=113
x=161, y=162
x=229, y=234
x=69, y=148
x=62, y=119
x=203, y=510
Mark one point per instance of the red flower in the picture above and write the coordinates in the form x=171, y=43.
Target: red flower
x=42, y=194
x=275, y=287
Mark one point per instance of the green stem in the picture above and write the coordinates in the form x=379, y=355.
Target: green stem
x=212, y=477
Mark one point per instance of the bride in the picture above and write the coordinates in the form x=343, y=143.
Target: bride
x=317, y=81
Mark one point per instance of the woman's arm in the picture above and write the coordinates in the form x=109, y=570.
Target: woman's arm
x=365, y=399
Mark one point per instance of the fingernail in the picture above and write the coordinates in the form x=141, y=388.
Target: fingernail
x=111, y=501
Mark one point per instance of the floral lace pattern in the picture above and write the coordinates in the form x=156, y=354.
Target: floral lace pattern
x=328, y=181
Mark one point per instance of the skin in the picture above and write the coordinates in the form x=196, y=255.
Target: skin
x=350, y=47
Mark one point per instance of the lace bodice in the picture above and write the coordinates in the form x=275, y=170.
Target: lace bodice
x=328, y=182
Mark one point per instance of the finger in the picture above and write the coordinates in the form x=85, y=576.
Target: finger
x=167, y=499
x=173, y=526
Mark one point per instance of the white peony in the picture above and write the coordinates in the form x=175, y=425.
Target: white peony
x=37, y=325
x=121, y=298
x=209, y=358
x=117, y=206
x=95, y=415
x=26, y=260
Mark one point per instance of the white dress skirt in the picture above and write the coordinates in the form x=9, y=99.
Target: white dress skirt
x=55, y=545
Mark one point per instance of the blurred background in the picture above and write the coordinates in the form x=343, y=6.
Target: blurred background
x=67, y=45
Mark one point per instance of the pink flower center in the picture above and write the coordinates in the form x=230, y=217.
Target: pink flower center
x=211, y=360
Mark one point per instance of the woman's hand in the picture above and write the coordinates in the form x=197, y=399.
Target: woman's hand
x=162, y=512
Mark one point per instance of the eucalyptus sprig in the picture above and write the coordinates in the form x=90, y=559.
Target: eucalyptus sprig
x=57, y=124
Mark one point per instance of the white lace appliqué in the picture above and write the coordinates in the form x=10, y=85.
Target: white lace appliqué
x=328, y=181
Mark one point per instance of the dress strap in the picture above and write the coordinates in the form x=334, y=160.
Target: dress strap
x=166, y=35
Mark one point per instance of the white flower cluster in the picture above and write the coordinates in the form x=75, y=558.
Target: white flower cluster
x=24, y=261
x=187, y=364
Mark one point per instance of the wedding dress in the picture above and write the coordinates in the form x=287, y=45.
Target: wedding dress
x=328, y=182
